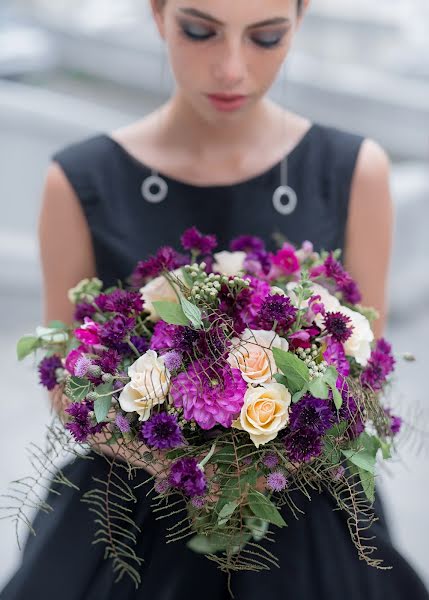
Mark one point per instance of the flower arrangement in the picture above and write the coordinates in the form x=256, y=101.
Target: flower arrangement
x=229, y=379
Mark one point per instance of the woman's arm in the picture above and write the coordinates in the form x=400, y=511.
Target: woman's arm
x=370, y=228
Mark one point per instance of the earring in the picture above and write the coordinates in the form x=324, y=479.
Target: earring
x=155, y=180
x=284, y=190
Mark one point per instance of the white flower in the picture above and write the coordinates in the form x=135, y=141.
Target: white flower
x=252, y=354
x=359, y=343
x=265, y=412
x=51, y=334
x=229, y=263
x=277, y=290
x=149, y=385
x=159, y=289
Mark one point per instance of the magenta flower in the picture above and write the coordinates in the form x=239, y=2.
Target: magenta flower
x=88, y=333
x=163, y=336
x=285, y=262
x=335, y=355
x=72, y=358
x=192, y=239
x=209, y=394
x=381, y=363
x=303, y=337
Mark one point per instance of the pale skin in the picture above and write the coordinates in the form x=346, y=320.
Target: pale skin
x=186, y=137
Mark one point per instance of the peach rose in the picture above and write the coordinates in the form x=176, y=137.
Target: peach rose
x=265, y=412
x=252, y=354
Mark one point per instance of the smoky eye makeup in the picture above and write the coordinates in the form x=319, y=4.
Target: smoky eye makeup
x=199, y=33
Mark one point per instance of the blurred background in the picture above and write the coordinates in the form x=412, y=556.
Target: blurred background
x=71, y=68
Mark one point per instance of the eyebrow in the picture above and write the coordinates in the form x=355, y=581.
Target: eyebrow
x=193, y=12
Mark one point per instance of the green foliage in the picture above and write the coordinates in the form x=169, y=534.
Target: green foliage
x=171, y=312
x=26, y=345
x=293, y=368
x=263, y=508
x=77, y=388
x=226, y=512
x=192, y=313
x=101, y=407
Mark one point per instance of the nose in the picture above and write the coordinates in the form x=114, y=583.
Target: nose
x=230, y=68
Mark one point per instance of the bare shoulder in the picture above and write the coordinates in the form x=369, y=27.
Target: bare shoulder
x=372, y=168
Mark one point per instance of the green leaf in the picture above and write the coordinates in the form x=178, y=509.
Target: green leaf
x=263, y=508
x=187, y=278
x=319, y=388
x=77, y=388
x=385, y=449
x=258, y=527
x=298, y=395
x=172, y=454
x=361, y=458
x=294, y=369
x=171, y=312
x=226, y=512
x=330, y=376
x=57, y=325
x=192, y=312
x=101, y=408
x=208, y=544
x=26, y=345
x=104, y=388
x=338, y=399
x=368, y=483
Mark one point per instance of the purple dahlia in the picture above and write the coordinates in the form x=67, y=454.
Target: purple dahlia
x=162, y=432
x=187, y=476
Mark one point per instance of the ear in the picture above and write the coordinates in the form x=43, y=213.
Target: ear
x=158, y=15
x=305, y=5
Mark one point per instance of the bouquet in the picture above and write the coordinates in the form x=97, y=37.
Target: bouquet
x=230, y=380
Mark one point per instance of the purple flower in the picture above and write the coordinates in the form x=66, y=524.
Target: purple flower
x=338, y=325
x=82, y=310
x=81, y=426
x=47, y=368
x=311, y=413
x=209, y=394
x=82, y=365
x=247, y=243
x=276, y=481
x=258, y=264
x=122, y=423
x=162, y=337
x=161, y=486
x=335, y=355
x=395, y=422
x=270, y=460
x=277, y=308
x=333, y=269
x=89, y=332
x=108, y=361
x=302, y=445
x=192, y=239
x=337, y=473
x=167, y=258
x=303, y=337
x=120, y=301
x=162, y=431
x=186, y=475
x=198, y=501
x=381, y=363
x=115, y=330
x=350, y=412
x=173, y=360
x=244, y=308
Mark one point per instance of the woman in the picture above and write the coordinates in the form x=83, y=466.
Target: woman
x=221, y=159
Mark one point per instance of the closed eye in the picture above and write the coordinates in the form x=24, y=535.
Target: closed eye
x=200, y=33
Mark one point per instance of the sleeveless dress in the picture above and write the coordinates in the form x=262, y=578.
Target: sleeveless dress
x=317, y=557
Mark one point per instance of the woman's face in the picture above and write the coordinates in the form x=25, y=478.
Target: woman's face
x=233, y=47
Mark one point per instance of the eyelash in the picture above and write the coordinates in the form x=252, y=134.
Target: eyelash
x=203, y=38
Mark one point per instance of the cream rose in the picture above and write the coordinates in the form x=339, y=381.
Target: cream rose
x=150, y=380
x=359, y=343
x=159, y=289
x=229, y=263
x=252, y=354
x=265, y=412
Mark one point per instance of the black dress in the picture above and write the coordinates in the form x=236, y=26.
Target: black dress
x=317, y=557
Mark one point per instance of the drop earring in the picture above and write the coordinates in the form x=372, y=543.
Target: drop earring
x=285, y=199
x=155, y=180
